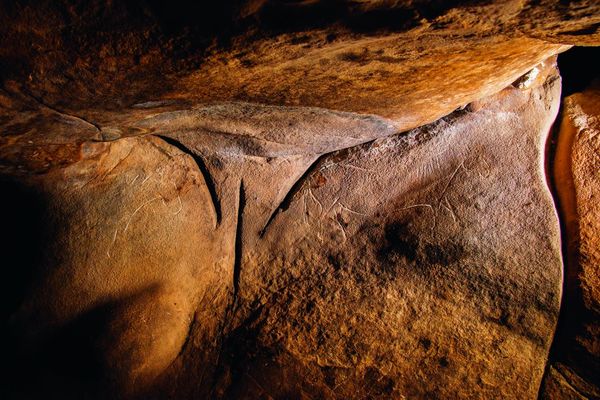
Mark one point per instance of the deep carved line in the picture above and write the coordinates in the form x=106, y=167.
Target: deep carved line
x=210, y=184
x=238, y=241
x=287, y=199
x=285, y=202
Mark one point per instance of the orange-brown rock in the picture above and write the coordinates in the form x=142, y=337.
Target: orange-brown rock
x=412, y=266
x=575, y=368
x=424, y=265
x=295, y=199
x=107, y=65
x=131, y=258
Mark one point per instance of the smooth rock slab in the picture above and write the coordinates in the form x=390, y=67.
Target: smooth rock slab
x=424, y=265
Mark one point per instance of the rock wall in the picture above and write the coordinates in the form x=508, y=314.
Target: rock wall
x=425, y=265
x=417, y=265
x=297, y=199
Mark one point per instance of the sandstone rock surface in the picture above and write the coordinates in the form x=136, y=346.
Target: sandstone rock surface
x=295, y=199
x=575, y=366
x=419, y=265
x=409, y=267
x=94, y=70
x=129, y=262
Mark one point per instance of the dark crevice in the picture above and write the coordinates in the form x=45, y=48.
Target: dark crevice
x=571, y=386
x=210, y=184
x=549, y=164
x=578, y=70
x=238, y=242
x=579, y=67
x=590, y=30
x=285, y=202
x=60, y=112
x=565, y=348
x=296, y=16
x=229, y=323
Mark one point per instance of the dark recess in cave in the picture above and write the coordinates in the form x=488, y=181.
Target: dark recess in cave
x=578, y=66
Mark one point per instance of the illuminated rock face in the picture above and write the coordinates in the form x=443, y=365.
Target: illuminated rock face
x=410, y=62
x=574, y=369
x=130, y=255
x=295, y=199
x=420, y=264
x=410, y=266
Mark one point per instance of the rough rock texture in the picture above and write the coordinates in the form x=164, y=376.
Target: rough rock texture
x=243, y=199
x=112, y=64
x=410, y=266
x=130, y=257
x=575, y=369
x=419, y=265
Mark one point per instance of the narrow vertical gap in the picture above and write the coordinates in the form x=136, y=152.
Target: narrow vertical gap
x=210, y=184
x=549, y=165
x=560, y=183
x=238, y=241
x=228, y=355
